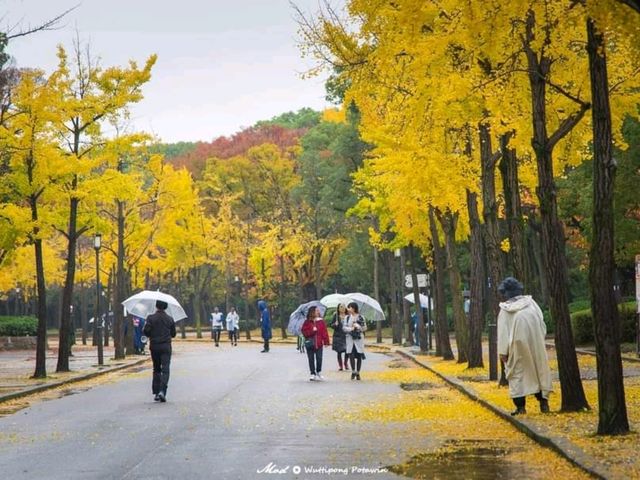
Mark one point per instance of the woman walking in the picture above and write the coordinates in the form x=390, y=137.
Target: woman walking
x=339, y=341
x=315, y=332
x=216, y=325
x=354, y=327
x=232, y=326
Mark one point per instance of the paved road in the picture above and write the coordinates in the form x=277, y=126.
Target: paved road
x=231, y=413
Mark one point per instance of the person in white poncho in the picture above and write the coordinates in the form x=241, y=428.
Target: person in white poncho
x=521, y=346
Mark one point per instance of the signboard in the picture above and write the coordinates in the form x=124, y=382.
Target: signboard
x=638, y=283
x=422, y=281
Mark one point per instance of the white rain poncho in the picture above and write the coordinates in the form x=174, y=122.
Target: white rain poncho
x=521, y=336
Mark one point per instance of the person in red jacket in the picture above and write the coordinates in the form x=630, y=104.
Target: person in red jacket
x=316, y=335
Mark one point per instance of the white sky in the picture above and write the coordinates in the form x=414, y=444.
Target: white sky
x=222, y=64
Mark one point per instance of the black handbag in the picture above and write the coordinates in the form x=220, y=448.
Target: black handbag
x=309, y=343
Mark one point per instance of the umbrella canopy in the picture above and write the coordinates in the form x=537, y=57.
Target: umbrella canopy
x=143, y=304
x=334, y=299
x=368, y=306
x=425, y=302
x=297, y=318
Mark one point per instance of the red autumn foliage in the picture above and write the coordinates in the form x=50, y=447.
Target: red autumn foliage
x=237, y=144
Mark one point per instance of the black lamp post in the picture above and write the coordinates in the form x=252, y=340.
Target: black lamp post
x=97, y=243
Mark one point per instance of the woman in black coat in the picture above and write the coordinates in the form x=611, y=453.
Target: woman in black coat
x=339, y=342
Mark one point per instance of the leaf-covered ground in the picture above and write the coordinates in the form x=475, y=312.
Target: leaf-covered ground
x=617, y=454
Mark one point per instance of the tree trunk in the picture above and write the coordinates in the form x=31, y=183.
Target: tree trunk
x=41, y=346
x=283, y=316
x=476, y=284
x=440, y=263
x=573, y=397
x=515, y=223
x=376, y=292
x=67, y=291
x=449, y=222
x=396, y=296
x=422, y=331
x=491, y=240
x=119, y=319
x=612, y=409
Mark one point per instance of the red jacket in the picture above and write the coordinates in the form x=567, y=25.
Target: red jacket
x=321, y=336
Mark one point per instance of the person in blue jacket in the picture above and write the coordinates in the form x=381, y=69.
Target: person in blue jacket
x=265, y=324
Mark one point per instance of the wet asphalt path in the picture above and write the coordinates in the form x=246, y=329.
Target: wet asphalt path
x=232, y=413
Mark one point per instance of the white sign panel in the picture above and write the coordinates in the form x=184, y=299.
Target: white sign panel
x=422, y=281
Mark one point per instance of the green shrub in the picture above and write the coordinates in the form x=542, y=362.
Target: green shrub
x=582, y=324
x=18, y=326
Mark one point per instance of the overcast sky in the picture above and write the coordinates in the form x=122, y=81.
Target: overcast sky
x=222, y=64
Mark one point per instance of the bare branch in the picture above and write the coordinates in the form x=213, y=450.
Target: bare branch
x=48, y=25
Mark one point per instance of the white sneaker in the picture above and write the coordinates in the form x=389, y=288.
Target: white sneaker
x=312, y=378
x=320, y=378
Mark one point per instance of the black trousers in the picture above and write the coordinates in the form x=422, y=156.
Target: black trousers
x=522, y=401
x=314, y=355
x=161, y=356
x=216, y=335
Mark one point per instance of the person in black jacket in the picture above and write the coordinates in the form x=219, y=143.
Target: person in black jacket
x=160, y=329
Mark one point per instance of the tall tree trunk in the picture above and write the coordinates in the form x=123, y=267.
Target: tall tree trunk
x=422, y=331
x=612, y=409
x=67, y=291
x=440, y=263
x=396, y=296
x=515, y=223
x=476, y=284
x=84, y=310
x=573, y=397
x=41, y=346
x=376, y=291
x=489, y=160
x=119, y=319
x=281, y=310
x=449, y=221
x=406, y=316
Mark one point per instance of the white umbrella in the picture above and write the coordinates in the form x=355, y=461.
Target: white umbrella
x=425, y=302
x=143, y=304
x=367, y=306
x=297, y=318
x=334, y=299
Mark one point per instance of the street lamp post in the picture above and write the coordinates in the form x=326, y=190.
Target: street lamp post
x=429, y=319
x=97, y=243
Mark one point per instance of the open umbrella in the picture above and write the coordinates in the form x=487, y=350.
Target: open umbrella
x=143, y=304
x=334, y=299
x=368, y=307
x=424, y=300
x=297, y=318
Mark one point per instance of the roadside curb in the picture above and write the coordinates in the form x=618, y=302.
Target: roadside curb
x=48, y=386
x=563, y=447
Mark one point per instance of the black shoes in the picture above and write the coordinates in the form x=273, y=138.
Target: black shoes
x=358, y=376
x=544, y=406
x=353, y=375
x=162, y=397
x=156, y=398
x=519, y=411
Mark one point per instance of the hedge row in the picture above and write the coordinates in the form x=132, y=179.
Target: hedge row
x=18, y=326
x=582, y=323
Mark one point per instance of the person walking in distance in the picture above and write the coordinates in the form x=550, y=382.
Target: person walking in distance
x=339, y=340
x=355, y=326
x=265, y=324
x=160, y=329
x=316, y=335
x=232, y=325
x=521, y=346
x=216, y=325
